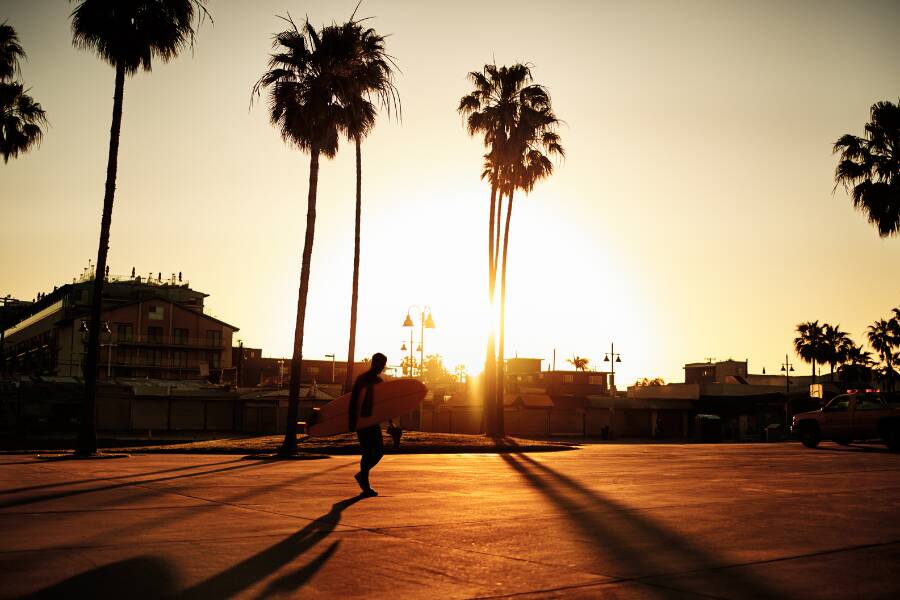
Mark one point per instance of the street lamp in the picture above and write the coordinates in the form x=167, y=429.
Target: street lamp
x=331, y=356
x=612, y=357
x=787, y=368
x=425, y=320
x=104, y=328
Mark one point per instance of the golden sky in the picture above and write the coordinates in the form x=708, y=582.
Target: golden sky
x=694, y=216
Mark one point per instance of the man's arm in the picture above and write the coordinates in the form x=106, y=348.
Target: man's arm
x=354, y=405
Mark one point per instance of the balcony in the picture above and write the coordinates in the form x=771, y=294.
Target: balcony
x=167, y=341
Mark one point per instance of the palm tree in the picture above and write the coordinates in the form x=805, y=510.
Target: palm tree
x=882, y=339
x=306, y=77
x=869, y=168
x=531, y=140
x=492, y=110
x=580, y=363
x=808, y=344
x=21, y=117
x=129, y=36
x=858, y=364
x=835, y=346
x=373, y=79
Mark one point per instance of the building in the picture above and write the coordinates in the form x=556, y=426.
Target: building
x=254, y=370
x=152, y=328
x=743, y=404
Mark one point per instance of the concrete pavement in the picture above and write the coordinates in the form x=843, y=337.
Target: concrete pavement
x=617, y=521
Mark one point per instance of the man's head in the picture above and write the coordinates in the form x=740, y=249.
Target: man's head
x=379, y=360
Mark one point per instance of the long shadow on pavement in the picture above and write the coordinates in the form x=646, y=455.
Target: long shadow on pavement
x=855, y=448
x=66, y=494
x=259, y=566
x=620, y=534
x=168, y=517
x=98, y=479
x=139, y=578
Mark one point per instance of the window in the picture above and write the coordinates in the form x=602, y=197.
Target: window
x=213, y=337
x=869, y=403
x=214, y=359
x=312, y=370
x=179, y=358
x=180, y=336
x=124, y=332
x=839, y=404
x=157, y=313
x=568, y=379
x=595, y=380
x=155, y=335
x=154, y=357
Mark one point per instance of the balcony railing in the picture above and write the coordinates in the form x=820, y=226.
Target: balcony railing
x=164, y=340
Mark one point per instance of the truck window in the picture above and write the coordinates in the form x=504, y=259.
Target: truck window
x=869, y=403
x=838, y=404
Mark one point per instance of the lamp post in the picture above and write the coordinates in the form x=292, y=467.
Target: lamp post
x=425, y=320
x=787, y=368
x=331, y=356
x=612, y=357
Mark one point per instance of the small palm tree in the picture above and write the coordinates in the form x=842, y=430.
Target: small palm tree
x=882, y=339
x=21, y=118
x=869, y=168
x=835, y=346
x=372, y=79
x=858, y=364
x=579, y=362
x=808, y=344
x=306, y=77
x=129, y=36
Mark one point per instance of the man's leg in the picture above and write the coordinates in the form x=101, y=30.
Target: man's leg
x=371, y=445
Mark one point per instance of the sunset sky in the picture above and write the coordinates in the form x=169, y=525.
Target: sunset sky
x=694, y=216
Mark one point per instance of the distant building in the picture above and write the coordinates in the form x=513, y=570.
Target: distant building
x=254, y=370
x=714, y=372
x=152, y=329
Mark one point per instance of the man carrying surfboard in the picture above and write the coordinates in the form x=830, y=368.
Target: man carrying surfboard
x=370, y=440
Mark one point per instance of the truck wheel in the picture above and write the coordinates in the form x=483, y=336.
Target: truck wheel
x=809, y=435
x=892, y=439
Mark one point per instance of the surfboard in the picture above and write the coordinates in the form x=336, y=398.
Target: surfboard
x=392, y=399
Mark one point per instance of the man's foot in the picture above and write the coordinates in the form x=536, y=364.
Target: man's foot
x=369, y=493
x=362, y=480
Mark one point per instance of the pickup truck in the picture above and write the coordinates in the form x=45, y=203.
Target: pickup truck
x=860, y=415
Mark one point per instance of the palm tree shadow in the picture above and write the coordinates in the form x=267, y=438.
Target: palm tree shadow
x=855, y=448
x=643, y=548
x=69, y=493
x=257, y=567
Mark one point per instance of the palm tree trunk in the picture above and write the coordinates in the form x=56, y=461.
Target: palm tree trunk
x=490, y=366
x=354, y=297
x=290, y=432
x=501, y=376
x=87, y=437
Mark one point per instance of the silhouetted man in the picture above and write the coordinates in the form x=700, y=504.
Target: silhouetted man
x=370, y=441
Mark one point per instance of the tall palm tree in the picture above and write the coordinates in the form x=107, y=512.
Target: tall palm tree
x=129, y=35
x=869, y=168
x=835, y=346
x=307, y=75
x=21, y=117
x=808, y=344
x=491, y=110
x=372, y=79
x=882, y=339
x=531, y=140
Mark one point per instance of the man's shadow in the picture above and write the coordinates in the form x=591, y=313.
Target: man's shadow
x=257, y=567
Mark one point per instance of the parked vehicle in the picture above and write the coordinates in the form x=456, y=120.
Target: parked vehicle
x=856, y=415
